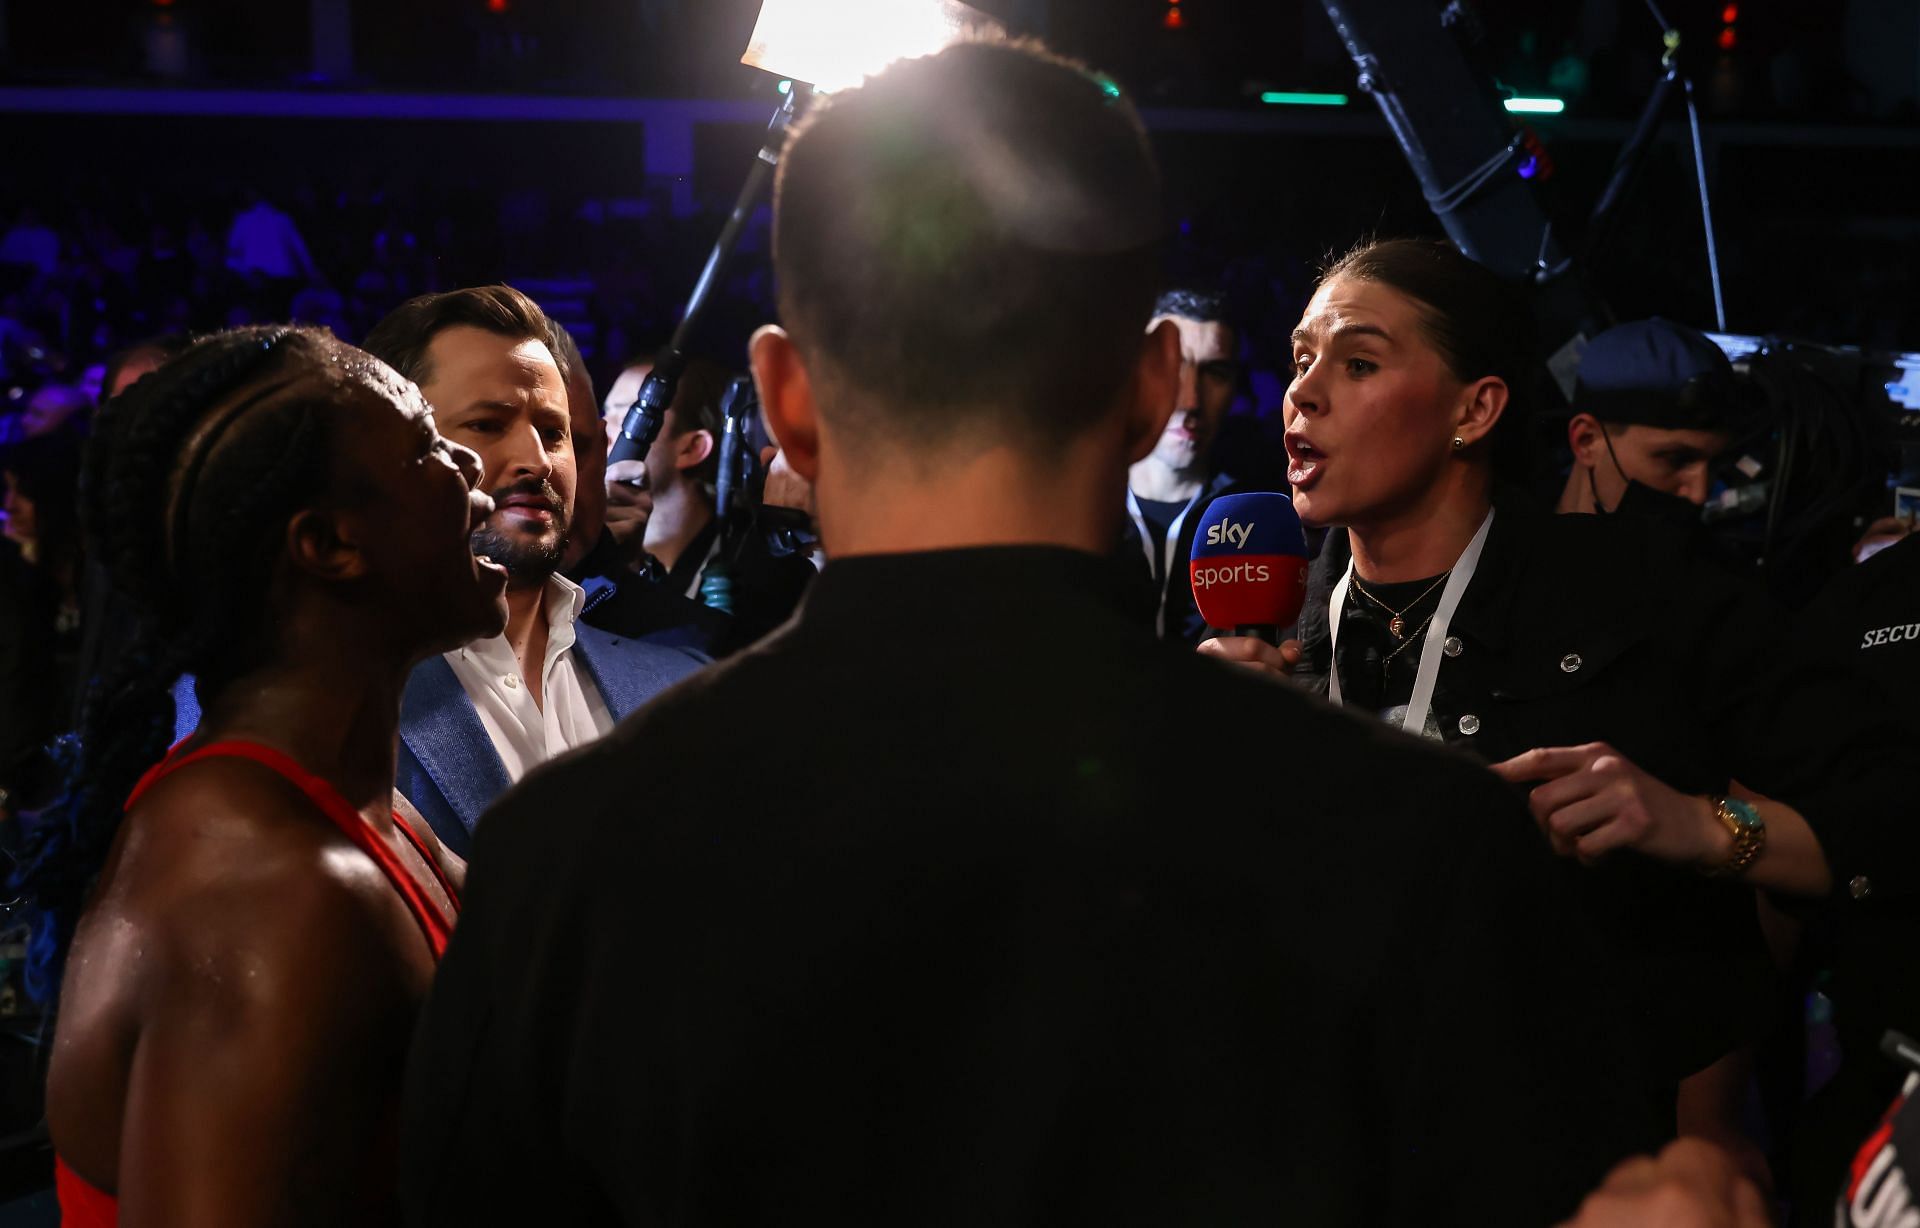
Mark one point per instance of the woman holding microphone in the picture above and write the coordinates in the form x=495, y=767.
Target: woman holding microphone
x=1594, y=662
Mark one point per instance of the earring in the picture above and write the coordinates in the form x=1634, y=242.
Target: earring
x=1458, y=443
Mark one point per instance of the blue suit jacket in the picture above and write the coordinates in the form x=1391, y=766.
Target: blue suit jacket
x=448, y=767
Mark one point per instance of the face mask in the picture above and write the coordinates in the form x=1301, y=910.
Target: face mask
x=1640, y=502
x=1645, y=503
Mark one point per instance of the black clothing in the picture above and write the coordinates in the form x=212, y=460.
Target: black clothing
x=767, y=582
x=760, y=588
x=622, y=602
x=996, y=934
x=1159, y=515
x=1176, y=618
x=687, y=571
x=1869, y=620
x=1581, y=629
x=1382, y=668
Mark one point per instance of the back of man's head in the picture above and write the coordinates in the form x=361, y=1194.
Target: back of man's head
x=968, y=248
x=404, y=336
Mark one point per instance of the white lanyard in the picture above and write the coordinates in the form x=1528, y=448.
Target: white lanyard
x=1428, y=676
x=1163, y=566
x=693, y=590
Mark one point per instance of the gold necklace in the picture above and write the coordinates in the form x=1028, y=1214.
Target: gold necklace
x=1397, y=624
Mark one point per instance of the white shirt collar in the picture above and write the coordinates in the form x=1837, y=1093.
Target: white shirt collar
x=563, y=602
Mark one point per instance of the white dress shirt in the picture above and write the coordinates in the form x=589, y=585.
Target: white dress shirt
x=525, y=733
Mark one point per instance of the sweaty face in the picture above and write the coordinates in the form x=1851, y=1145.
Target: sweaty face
x=1371, y=410
x=503, y=397
x=1207, y=377
x=421, y=507
x=1678, y=463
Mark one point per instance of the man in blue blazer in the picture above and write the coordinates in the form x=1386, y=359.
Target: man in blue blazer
x=449, y=768
x=475, y=720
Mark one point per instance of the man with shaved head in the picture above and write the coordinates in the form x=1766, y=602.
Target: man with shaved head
x=906, y=915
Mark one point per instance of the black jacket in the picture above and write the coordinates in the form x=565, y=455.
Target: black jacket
x=1176, y=614
x=1582, y=629
x=991, y=928
x=1867, y=622
x=623, y=602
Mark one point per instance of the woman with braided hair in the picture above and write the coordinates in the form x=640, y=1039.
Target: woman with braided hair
x=259, y=925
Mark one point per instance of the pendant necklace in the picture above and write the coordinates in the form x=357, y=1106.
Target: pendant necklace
x=1397, y=620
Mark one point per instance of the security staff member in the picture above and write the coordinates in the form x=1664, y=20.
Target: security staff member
x=1867, y=622
x=1592, y=660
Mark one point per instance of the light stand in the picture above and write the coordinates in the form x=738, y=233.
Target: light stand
x=830, y=44
x=1628, y=164
x=643, y=421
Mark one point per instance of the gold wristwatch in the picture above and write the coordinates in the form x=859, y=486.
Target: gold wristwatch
x=1749, y=833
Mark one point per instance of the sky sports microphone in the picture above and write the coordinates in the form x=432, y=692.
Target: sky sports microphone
x=1249, y=565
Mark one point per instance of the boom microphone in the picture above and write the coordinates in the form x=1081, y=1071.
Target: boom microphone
x=1249, y=565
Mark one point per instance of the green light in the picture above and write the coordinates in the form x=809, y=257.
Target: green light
x=1536, y=106
x=1288, y=98
x=785, y=87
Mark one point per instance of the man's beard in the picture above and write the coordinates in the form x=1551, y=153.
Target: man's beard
x=528, y=562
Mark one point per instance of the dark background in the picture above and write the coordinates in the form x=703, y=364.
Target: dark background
x=1810, y=122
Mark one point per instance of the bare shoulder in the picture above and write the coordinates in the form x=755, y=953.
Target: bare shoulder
x=226, y=872
x=228, y=918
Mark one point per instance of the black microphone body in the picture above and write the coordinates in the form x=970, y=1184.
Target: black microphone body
x=648, y=413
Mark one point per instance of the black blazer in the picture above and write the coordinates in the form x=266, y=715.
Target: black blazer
x=911, y=915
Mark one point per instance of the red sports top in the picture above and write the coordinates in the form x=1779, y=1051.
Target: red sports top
x=84, y=1206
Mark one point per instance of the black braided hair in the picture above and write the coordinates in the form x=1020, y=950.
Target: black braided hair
x=188, y=485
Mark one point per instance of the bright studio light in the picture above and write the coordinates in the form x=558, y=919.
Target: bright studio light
x=835, y=44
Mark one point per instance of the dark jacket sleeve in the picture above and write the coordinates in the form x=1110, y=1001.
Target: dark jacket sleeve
x=1515, y=1090
x=1795, y=728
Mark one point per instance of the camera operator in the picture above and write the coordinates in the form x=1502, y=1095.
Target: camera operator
x=617, y=599
x=1593, y=660
x=967, y=944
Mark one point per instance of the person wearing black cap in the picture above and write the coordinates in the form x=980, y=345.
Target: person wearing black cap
x=1654, y=403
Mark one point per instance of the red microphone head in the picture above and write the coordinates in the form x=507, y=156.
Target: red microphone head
x=1249, y=565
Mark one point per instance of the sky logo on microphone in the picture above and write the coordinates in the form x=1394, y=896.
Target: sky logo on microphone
x=1249, y=565
x=1227, y=533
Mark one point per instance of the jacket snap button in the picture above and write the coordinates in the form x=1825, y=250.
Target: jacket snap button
x=1469, y=724
x=1453, y=647
x=1571, y=663
x=1860, y=887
